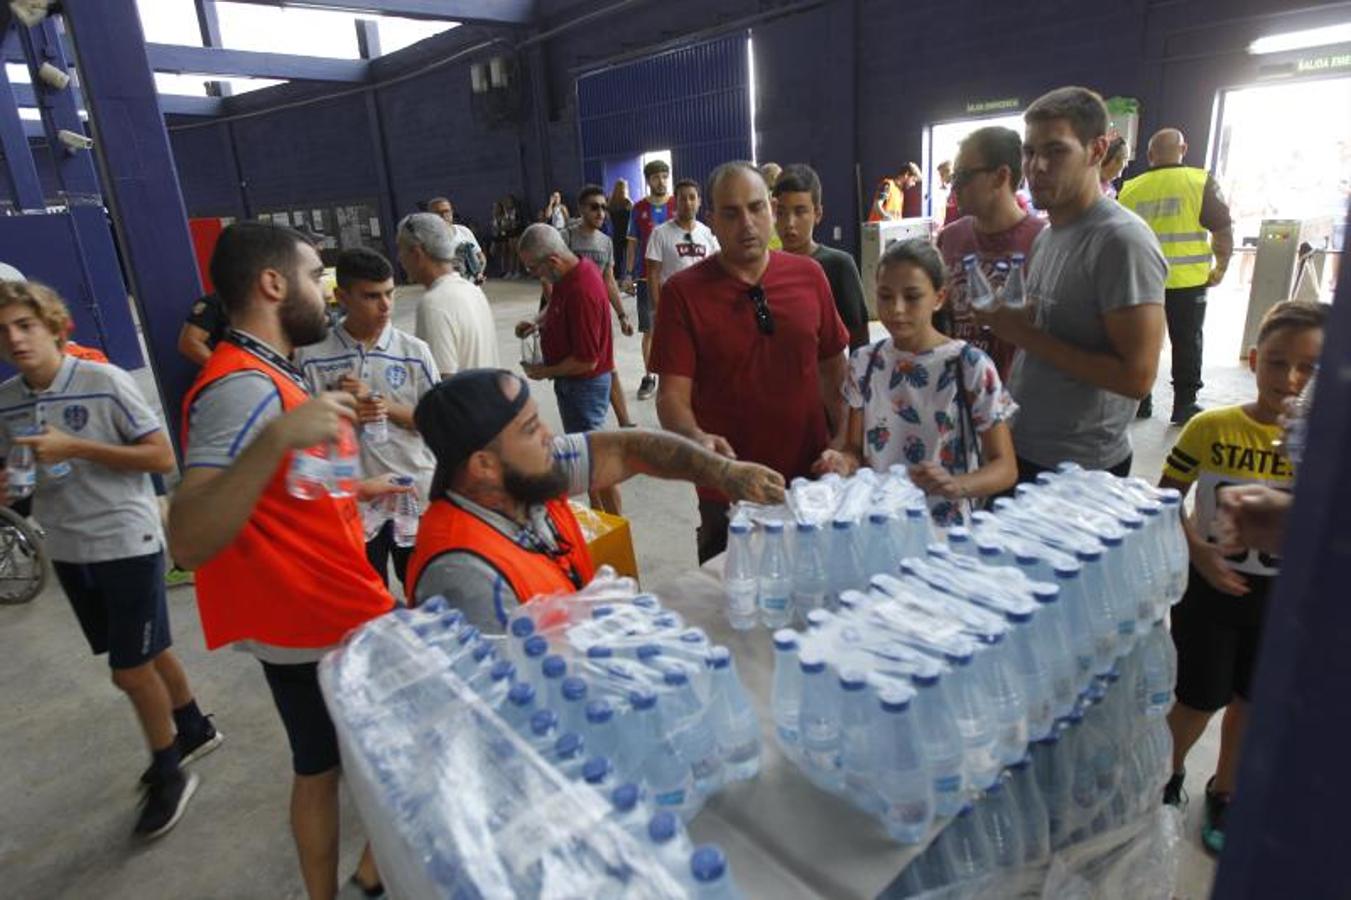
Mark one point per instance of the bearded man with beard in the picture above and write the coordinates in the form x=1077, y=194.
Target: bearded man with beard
x=280, y=577
x=499, y=531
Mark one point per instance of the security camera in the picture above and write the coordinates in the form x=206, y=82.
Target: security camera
x=53, y=77
x=30, y=12
x=74, y=141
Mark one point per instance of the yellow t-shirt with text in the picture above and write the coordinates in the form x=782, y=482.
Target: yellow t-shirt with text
x=1222, y=447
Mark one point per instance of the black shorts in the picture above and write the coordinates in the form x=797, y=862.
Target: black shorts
x=1217, y=637
x=309, y=730
x=644, y=306
x=120, y=606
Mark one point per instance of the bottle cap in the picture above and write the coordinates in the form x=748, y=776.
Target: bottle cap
x=502, y=670
x=663, y=826
x=598, y=712
x=574, y=688
x=599, y=652
x=773, y=528
x=708, y=864
x=625, y=797
x=543, y=722
x=595, y=769
x=785, y=639
x=569, y=745
x=536, y=646
x=522, y=627
x=740, y=526
x=522, y=693
x=647, y=651
x=554, y=666
x=642, y=699
x=718, y=658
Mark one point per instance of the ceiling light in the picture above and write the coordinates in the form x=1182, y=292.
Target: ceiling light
x=1302, y=40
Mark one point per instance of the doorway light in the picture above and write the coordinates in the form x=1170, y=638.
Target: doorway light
x=1302, y=40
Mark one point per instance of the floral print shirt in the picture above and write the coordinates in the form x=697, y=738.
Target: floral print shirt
x=912, y=413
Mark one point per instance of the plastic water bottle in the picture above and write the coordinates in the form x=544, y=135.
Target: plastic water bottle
x=376, y=431
x=786, y=693
x=913, y=532
x=601, y=730
x=666, y=775
x=712, y=880
x=21, y=470
x=520, y=706
x=533, y=651
x=543, y=730
x=736, y=729
x=998, y=818
x=1021, y=786
x=1158, y=665
x=691, y=732
x=880, y=553
x=1014, y=293
x=598, y=772
x=844, y=563
x=344, y=461
x=903, y=781
x=960, y=542
x=572, y=709
x=967, y=699
x=740, y=577
x=568, y=754
x=944, y=748
x=553, y=669
x=627, y=809
x=857, y=751
x=978, y=290
x=819, y=723
x=668, y=842
x=775, y=584
x=406, y=513
x=966, y=847
x=309, y=474
x=809, y=571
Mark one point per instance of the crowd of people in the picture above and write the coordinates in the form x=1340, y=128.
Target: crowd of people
x=762, y=369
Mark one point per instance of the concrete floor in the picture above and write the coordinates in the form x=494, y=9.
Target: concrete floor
x=72, y=750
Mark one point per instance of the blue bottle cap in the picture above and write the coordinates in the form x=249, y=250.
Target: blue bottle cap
x=675, y=678
x=543, y=722
x=522, y=693
x=1088, y=553
x=1018, y=617
x=895, y=703
x=785, y=639
x=925, y=679
x=811, y=664
x=1025, y=559
x=574, y=688
x=877, y=517
x=708, y=864
x=958, y=534
x=995, y=789
x=469, y=635
x=483, y=651
x=694, y=636
x=818, y=617
x=642, y=699
x=1045, y=593
x=523, y=627
x=718, y=658
x=663, y=826
x=853, y=680
x=554, y=666
x=502, y=670
x=1045, y=478
x=807, y=527
x=917, y=511
x=647, y=651
x=1110, y=538
x=773, y=528
x=568, y=746
x=842, y=524
x=1068, y=569
x=602, y=611
x=599, y=652
x=646, y=601
x=625, y=797
x=598, y=712
x=535, y=646
x=666, y=620
x=988, y=548
x=740, y=526
x=965, y=811
x=595, y=769
x=938, y=551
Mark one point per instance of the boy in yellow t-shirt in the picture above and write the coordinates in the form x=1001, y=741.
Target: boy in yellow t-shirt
x=1217, y=625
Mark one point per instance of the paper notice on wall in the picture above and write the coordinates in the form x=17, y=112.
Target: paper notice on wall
x=299, y=219
x=281, y=218
x=375, y=227
x=265, y=217
x=318, y=217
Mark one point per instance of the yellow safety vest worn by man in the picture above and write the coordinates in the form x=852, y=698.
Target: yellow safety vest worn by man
x=1183, y=207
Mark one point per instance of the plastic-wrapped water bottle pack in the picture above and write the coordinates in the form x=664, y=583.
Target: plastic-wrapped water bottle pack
x=480, y=773
x=960, y=674
x=785, y=561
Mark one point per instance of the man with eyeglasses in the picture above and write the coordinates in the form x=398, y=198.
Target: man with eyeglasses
x=993, y=226
x=1091, y=336
x=678, y=244
x=749, y=347
x=453, y=317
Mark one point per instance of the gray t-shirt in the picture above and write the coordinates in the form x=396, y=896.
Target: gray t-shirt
x=1105, y=260
x=471, y=582
x=95, y=513
x=595, y=246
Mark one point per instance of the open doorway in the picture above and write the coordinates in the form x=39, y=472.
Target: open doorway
x=940, y=145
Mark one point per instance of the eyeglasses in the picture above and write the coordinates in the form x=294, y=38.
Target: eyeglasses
x=689, y=238
x=597, y=206
x=764, y=319
x=961, y=177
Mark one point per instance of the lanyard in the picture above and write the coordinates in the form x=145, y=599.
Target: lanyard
x=252, y=345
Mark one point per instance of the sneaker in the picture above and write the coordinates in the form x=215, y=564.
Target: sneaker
x=1173, y=792
x=177, y=577
x=164, y=804
x=647, y=387
x=190, y=749
x=1145, y=409
x=1183, y=414
x=1212, y=830
x=353, y=890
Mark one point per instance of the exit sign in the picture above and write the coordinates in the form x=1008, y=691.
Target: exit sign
x=984, y=106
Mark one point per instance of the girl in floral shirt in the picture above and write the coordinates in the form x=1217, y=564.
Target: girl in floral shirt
x=922, y=399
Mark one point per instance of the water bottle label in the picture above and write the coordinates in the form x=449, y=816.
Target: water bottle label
x=22, y=478
x=787, y=735
x=774, y=603
x=344, y=468
x=1126, y=628
x=309, y=466
x=948, y=784
x=1161, y=698
x=671, y=798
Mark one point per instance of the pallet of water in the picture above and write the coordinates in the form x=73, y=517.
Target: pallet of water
x=561, y=760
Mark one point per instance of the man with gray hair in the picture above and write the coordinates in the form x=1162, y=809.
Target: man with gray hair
x=576, y=340
x=469, y=258
x=453, y=317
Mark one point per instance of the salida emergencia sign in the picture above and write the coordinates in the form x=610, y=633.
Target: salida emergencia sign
x=1324, y=63
x=984, y=106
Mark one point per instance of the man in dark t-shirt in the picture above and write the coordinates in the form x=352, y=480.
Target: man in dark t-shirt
x=797, y=212
x=202, y=330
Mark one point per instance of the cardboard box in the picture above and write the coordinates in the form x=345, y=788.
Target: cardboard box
x=608, y=538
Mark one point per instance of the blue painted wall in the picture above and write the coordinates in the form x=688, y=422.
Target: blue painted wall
x=840, y=83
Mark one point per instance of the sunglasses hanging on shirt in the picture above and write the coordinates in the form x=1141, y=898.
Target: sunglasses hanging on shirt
x=764, y=319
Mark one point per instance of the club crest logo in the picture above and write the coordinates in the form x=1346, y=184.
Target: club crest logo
x=395, y=376
x=75, y=417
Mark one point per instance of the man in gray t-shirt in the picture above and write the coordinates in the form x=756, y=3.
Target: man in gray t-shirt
x=1095, y=281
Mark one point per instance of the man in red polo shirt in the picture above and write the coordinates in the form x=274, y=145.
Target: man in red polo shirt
x=576, y=339
x=750, y=348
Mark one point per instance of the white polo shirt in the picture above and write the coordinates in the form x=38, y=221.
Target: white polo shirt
x=455, y=320
x=399, y=366
x=94, y=514
x=677, y=247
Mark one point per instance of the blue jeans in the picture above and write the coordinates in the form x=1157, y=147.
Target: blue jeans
x=583, y=402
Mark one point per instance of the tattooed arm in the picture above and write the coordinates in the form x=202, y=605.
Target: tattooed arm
x=619, y=455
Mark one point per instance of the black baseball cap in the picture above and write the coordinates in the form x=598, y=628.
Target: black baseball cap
x=465, y=413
